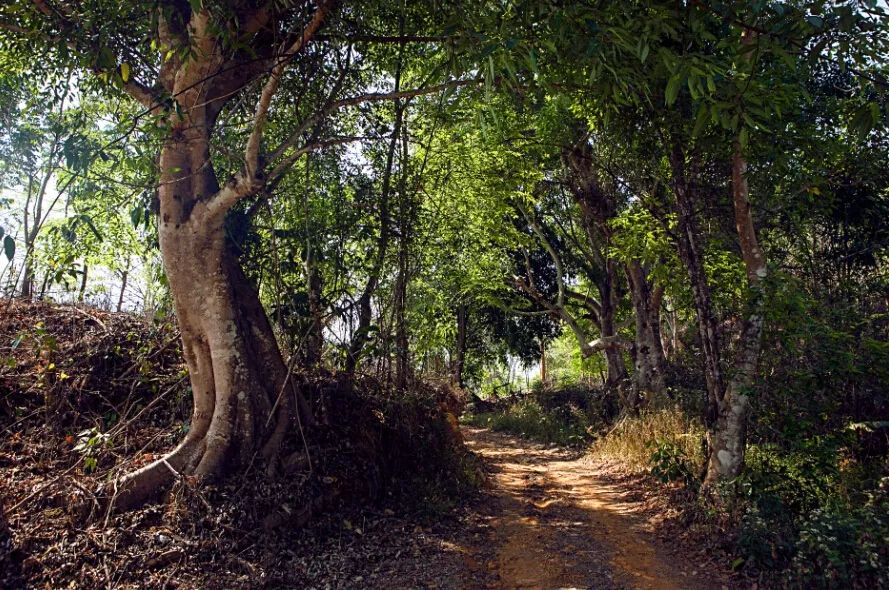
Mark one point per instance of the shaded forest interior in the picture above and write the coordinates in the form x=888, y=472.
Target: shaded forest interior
x=272, y=268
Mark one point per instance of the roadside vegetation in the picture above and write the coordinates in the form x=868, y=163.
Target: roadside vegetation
x=258, y=255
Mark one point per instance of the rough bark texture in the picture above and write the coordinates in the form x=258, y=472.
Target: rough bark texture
x=648, y=378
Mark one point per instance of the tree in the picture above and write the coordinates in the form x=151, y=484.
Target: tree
x=202, y=61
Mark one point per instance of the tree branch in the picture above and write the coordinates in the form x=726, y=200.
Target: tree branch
x=249, y=181
x=251, y=152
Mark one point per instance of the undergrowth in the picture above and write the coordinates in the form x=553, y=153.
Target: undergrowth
x=810, y=516
x=567, y=425
x=814, y=514
x=85, y=394
x=663, y=439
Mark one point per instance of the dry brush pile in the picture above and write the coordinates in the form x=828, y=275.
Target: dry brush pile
x=85, y=394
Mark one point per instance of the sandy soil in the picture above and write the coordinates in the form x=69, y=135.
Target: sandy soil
x=550, y=521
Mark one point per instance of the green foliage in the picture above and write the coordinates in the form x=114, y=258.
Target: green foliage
x=843, y=548
x=563, y=424
x=670, y=463
x=464, y=201
x=89, y=444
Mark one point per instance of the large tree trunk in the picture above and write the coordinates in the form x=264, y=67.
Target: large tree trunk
x=244, y=402
x=648, y=378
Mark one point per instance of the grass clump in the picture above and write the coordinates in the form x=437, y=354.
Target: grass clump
x=652, y=439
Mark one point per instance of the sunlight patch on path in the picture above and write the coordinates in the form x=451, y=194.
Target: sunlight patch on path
x=557, y=525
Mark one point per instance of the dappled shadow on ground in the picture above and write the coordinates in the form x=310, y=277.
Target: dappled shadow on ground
x=556, y=524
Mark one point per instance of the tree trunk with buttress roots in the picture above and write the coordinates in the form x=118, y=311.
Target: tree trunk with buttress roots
x=244, y=402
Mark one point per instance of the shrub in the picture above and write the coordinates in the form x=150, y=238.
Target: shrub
x=843, y=549
x=669, y=463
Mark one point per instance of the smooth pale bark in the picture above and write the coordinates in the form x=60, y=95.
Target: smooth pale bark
x=234, y=364
x=728, y=438
x=244, y=401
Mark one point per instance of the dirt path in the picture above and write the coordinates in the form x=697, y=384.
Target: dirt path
x=552, y=523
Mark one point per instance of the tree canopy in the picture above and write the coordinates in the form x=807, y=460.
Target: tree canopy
x=680, y=202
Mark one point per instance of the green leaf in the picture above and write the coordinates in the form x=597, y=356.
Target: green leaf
x=532, y=58
x=672, y=91
x=125, y=72
x=92, y=226
x=815, y=21
x=9, y=247
x=700, y=120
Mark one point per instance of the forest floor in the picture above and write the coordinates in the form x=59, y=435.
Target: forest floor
x=553, y=518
